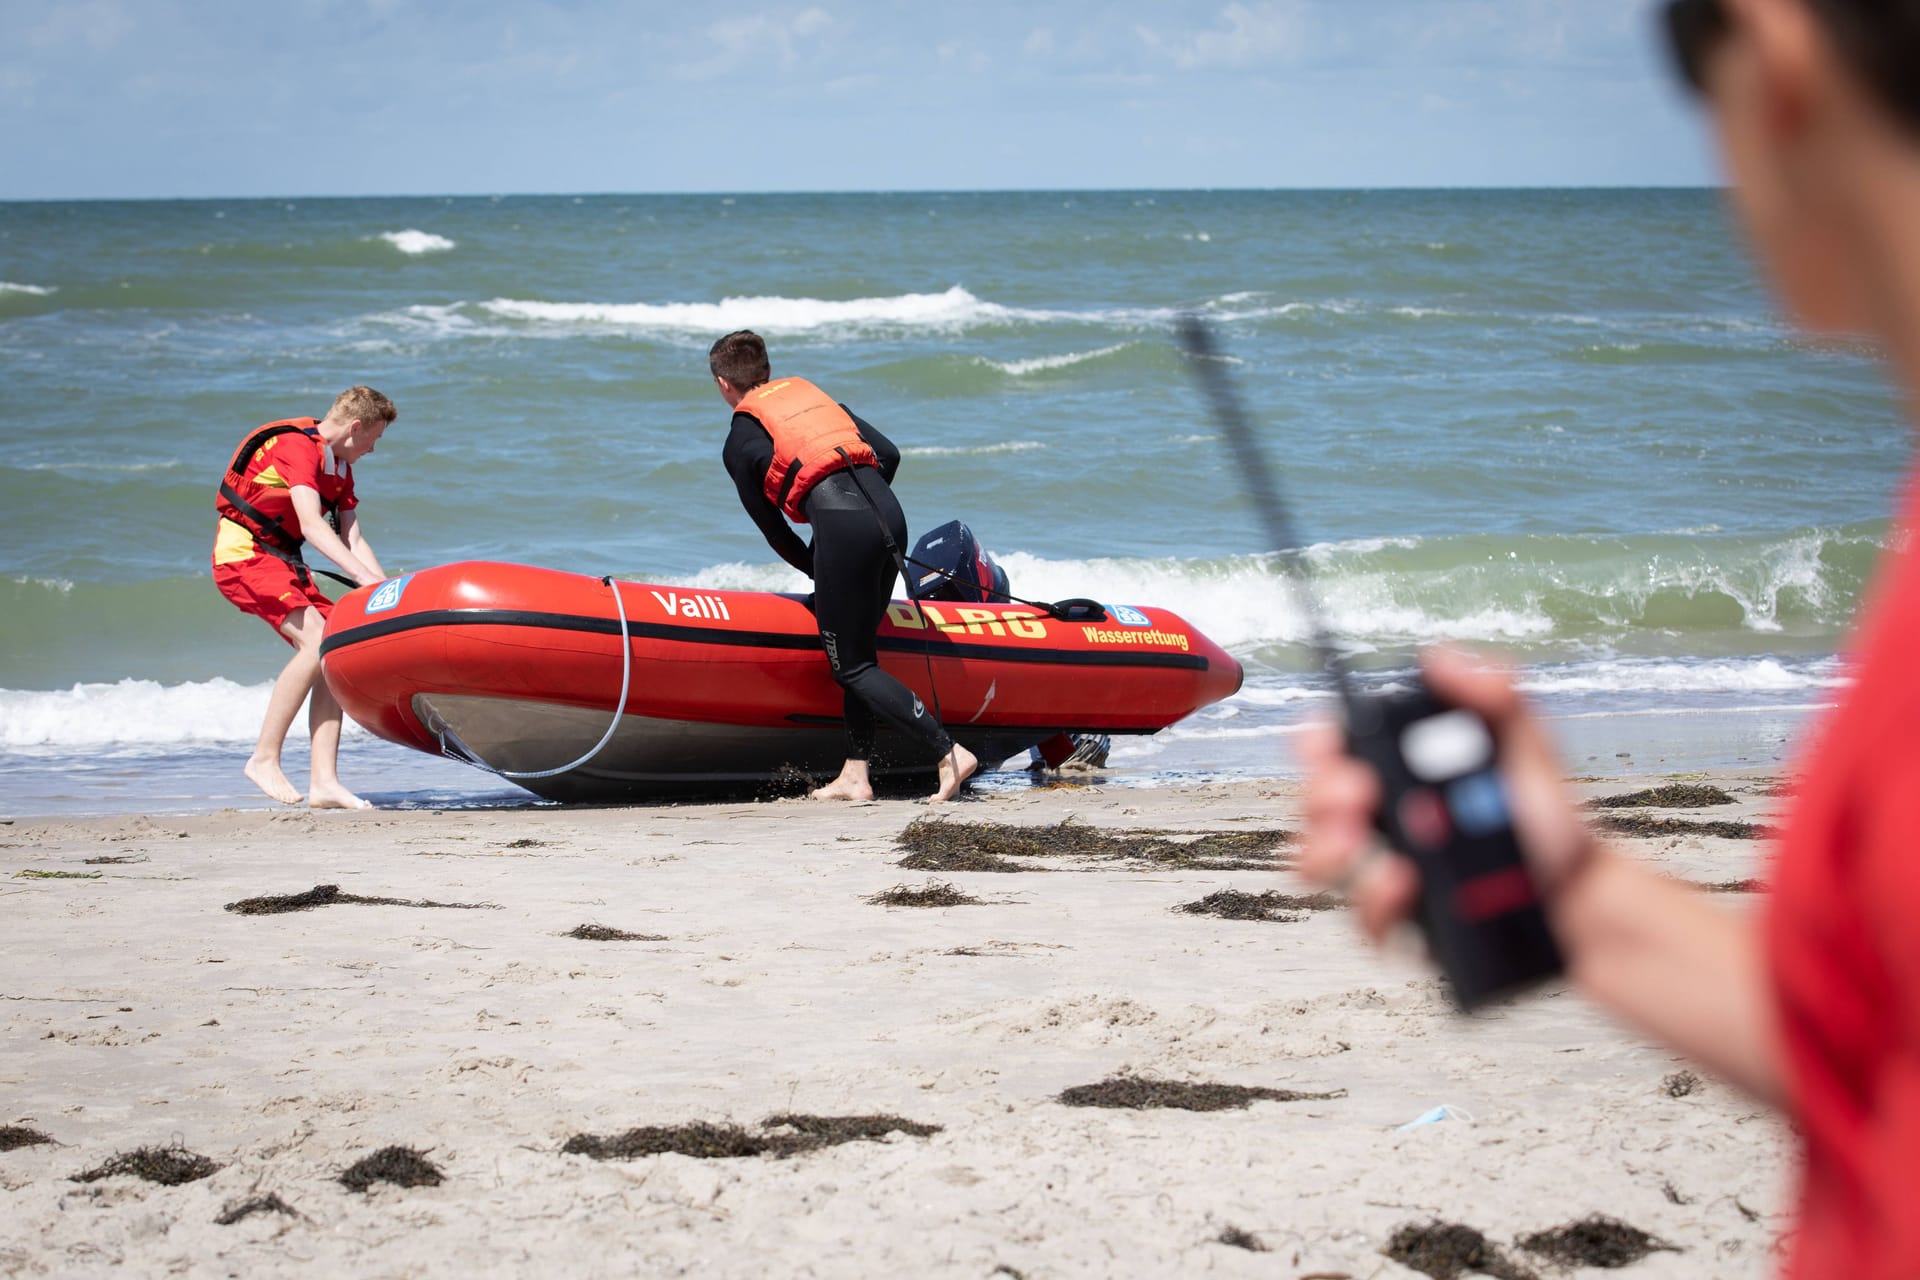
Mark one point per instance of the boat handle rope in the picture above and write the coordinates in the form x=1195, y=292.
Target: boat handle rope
x=467, y=755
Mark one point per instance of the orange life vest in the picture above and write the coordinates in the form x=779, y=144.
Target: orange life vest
x=813, y=437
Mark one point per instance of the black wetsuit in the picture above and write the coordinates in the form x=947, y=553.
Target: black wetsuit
x=853, y=574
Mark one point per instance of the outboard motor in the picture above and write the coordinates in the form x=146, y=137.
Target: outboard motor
x=949, y=563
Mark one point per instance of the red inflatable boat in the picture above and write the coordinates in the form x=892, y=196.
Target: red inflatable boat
x=520, y=670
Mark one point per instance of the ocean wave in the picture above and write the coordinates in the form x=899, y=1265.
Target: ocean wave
x=414, y=243
x=1041, y=364
x=1752, y=675
x=1538, y=594
x=134, y=712
x=955, y=310
x=970, y=450
x=36, y=290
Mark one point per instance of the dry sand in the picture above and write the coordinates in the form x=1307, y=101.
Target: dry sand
x=137, y=1012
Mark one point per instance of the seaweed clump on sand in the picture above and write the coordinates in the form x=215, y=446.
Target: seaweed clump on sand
x=935, y=844
x=780, y=1136
x=935, y=893
x=1675, y=795
x=1735, y=886
x=1641, y=824
x=607, y=933
x=13, y=1137
x=1136, y=1093
x=402, y=1166
x=239, y=1209
x=1445, y=1250
x=1281, y=908
x=1241, y=1240
x=1595, y=1241
x=329, y=895
x=168, y=1166
x=1680, y=1084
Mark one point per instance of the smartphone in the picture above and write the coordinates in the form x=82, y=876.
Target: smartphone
x=1443, y=804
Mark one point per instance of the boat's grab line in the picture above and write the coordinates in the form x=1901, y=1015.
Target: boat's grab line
x=743, y=639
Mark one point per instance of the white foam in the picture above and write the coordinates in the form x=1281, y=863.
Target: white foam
x=952, y=310
x=739, y=576
x=37, y=290
x=1040, y=364
x=134, y=712
x=1731, y=675
x=971, y=450
x=413, y=243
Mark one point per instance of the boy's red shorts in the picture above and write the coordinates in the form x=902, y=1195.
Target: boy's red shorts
x=269, y=589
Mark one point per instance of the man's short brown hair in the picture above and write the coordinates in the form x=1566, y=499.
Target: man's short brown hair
x=740, y=358
x=363, y=404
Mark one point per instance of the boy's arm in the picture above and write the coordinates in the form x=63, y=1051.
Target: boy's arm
x=356, y=540
x=315, y=529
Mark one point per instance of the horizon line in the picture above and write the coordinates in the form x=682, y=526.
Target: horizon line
x=872, y=191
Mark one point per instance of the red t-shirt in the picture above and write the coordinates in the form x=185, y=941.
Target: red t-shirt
x=267, y=480
x=1843, y=936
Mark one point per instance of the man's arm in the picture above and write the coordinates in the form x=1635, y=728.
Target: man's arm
x=747, y=455
x=885, y=453
x=356, y=540
x=315, y=529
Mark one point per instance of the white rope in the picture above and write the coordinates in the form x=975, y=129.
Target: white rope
x=468, y=755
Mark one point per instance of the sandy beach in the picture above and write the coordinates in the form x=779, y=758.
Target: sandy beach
x=285, y=1046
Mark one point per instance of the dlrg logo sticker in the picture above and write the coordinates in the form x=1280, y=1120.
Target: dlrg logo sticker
x=388, y=595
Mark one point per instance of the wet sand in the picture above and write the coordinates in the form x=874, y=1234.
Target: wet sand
x=138, y=1012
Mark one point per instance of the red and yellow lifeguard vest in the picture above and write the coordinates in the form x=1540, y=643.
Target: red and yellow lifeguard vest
x=813, y=437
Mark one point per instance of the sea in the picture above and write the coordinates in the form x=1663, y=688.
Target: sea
x=1567, y=427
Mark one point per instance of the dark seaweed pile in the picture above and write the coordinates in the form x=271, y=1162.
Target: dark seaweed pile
x=13, y=1136
x=1445, y=1250
x=606, y=933
x=779, y=1136
x=1675, y=795
x=1594, y=1241
x=935, y=844
x=329, y=895
x=934, y=893
x=1136, y=1093
x=402, y=1166
x=168, y=1166
x=1282, y=908
x=1641, y=824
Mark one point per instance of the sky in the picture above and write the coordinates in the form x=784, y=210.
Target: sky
x=173, y=98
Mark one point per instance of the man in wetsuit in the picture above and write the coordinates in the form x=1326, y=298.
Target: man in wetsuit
x=794, y=454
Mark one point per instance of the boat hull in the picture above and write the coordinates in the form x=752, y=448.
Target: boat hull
x=519, y=668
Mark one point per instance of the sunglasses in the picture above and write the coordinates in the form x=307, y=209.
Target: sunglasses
x=1694, y=29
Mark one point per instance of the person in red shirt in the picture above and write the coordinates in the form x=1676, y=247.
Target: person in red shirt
x=290, y=485
x=1814, y=1006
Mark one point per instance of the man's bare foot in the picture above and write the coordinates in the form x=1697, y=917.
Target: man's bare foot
x=841, y=789
x=955, y=768
x=266, y=775
x=335, y=797
x=853, y=783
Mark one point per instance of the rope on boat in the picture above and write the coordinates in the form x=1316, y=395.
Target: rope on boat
x=453, y=748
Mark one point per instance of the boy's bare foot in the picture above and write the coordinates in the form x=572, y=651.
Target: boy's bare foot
x=266, y=775
x=853, y=783
x=335, y=797
x=955, y=768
